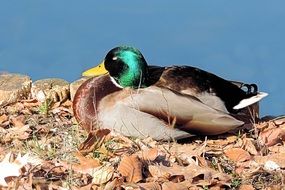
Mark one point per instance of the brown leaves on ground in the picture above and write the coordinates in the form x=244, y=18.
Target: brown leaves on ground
x=71, y=159
x=94, y=140
x=237, y=154
x=12, y=167
x=273, y=132
x=150, y=154
x=3, y=118
x=131, y=168
x=85, y=165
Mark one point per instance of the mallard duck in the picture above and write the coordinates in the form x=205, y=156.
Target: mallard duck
x=139, y=100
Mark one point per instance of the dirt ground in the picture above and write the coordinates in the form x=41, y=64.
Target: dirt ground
x=42, y=147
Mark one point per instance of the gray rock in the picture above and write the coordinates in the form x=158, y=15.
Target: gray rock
x=54, y=89
x=75, y=85
x=13, y=87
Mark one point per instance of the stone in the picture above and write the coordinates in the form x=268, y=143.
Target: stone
x=13, y=87
x=54, y=89
x=75, y=85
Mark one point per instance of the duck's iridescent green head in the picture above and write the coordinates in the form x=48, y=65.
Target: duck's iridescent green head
x=125, y=65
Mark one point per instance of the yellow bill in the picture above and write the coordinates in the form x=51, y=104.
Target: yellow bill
x=95, y=71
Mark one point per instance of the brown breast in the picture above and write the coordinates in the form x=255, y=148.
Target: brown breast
x=87, y=98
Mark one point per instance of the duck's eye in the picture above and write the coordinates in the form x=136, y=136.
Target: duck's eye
x=114, y=58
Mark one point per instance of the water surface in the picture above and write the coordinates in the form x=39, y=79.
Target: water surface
x=238, y=40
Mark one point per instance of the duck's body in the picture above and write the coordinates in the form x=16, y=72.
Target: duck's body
x=212, y=90
x=161, y=102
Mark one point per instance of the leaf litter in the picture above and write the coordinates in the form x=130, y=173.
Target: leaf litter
x=48, y=150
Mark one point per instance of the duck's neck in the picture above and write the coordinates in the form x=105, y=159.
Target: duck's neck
x=133, y=77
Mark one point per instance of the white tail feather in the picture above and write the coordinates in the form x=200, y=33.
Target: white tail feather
x=249, y=101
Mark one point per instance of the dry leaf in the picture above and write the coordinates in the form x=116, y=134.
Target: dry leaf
x=18, y=121
x=189, y=149
x=102, y=175
x=207, y=177
x=261, y=126
x=246, y=187
x=150, y=186
x=232, y=139
x=131, y=168
x=11, y=168
x=31, y=103
x=278, y=158
x=66, y=103
x=277, y=149
x=171, y=186
x=86, y=165
x=113, y=184
x=21, y=133
x=237, y=154
x=3, y=118
x=249, y=146
x=272, y=136
x=150, y=154
x=57, y=109
x=94, y=140
x=161, y=171
x=279, y=121
x=186, y=152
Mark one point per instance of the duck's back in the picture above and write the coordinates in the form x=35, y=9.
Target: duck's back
x=209, y=88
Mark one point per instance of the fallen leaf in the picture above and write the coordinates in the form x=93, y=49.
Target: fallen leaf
x=232, y=138
x=277, y=149
x=171, y=186
x=94, y=140
x=86, y=165
x=272, y=136
x=161, y=171
x=249, y=146
x=237, y=154
x=261, y=126
x=3, y=118
x=278, y=158
x=150, y=154
x=279, y=121
x=246, y=187
x=189, y=149
x=150, y=186
x=131, y=168
x=186, y=152
x=66, y=103
x=21, y=133
x=57, y=109
x=11, y=168
x=113, y=184
x=31, y=103
x=242, y=168
x=102, y=175
x=55, y=106
x=18, y=121
x=206, y=176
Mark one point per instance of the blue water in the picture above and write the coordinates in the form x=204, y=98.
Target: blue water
x=238, y=40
